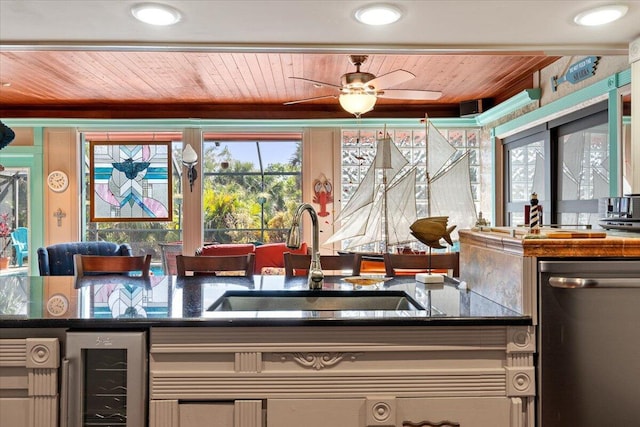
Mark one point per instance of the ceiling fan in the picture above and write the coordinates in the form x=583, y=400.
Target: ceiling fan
x=359, y=91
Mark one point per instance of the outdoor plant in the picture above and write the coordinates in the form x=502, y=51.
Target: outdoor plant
x=5, y=233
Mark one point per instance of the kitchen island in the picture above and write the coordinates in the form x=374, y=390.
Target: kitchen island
x=457, y=357
x=501, y=263
x=582, y=289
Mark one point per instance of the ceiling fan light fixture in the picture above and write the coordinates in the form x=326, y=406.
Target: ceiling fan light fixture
x=601, y=15
x=357, y=103
x=378, y=14
x=155, y=14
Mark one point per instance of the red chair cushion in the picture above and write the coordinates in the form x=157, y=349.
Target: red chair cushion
x=272, y=255
x=227, y=249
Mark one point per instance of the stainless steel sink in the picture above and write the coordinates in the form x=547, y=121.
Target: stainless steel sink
x=314, y=300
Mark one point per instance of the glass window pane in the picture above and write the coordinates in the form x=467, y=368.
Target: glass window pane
x=359, y=148
x=526, y=172
x=584, y=157
x=250, y=188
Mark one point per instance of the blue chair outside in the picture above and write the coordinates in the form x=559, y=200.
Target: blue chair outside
x=19, y=239
x=57, y=260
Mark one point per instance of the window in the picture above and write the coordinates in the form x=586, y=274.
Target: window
x=359, y=149
x=583, y=169
x=525, y=164
x=251, y=186
x=566, y=162
x=14, y=208
x=144, y=237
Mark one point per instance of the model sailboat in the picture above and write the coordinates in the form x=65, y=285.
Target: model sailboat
x=381, y=211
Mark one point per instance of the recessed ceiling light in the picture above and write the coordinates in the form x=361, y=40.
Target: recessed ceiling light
x=155, y=14
x=601, y=15
x=378, y=14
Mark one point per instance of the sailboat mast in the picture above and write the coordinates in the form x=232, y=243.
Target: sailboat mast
x=384, y=191
x=426, y=144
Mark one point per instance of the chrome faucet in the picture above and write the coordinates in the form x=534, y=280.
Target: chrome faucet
x=316, y=276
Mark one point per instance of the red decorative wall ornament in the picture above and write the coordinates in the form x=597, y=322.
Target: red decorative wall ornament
x=323, y=193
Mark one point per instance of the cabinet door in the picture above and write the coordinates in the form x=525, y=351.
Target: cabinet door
x=315, y=412
x=466, y=412
x=28, y=382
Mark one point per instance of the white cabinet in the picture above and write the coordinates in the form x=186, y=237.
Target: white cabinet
x=351, y=376
x=29, y=382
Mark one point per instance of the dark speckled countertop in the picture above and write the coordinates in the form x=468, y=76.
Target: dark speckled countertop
x=120, y=302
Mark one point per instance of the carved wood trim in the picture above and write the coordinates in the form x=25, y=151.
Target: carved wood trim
x=164, y=413
x=209, y=385
x=430, y=424
x=318, y=360
x=247, y=413
x=13, y=352
x=381, y=411
x=521, y=339
x=517, y=414
x=341, y=339
x=521, y=381
x=41, y=359
x=248, y=362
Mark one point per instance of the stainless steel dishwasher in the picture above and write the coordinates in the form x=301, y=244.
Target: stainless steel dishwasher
x=589, y=343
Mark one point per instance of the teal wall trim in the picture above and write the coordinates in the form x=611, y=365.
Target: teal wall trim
x=599, y=90
x=255, y=125
x=30, y=158
x=604, y=89
x=494, y=184
x=509, y=106
x=614, y=105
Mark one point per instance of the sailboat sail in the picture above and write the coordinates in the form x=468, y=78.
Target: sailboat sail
x=386, y=153
x=451, y=196
x=439, y=150
x=363, y=217
x=382, y=209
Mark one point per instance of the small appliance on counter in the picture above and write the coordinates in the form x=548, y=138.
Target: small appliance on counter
x=620, y=213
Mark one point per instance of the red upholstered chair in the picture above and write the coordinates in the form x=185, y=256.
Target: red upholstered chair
x=272, y=255
x=225, y=249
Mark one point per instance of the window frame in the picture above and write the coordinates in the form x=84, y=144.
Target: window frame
x=550, y=132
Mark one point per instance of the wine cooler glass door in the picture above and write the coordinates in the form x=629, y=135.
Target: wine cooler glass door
x=107, y=376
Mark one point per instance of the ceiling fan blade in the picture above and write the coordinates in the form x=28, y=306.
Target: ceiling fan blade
x=424, y=95
x=391, y=79
x=315, y=82
x=315, y=98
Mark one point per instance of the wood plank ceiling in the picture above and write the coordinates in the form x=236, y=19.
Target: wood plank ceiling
x=226, y=85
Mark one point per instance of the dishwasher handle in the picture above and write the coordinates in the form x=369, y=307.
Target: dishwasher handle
x=605, y=282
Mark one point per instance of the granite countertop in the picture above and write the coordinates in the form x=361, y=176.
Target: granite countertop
x=518, y=241
x=121, y=302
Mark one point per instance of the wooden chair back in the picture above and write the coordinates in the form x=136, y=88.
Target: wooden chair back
x=406, y=264
x=294, y=263
x=99, y=264
x=223, y=265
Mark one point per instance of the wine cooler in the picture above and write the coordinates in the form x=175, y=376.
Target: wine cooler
x=104, y=377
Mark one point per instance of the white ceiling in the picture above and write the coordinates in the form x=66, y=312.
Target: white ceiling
x=322, y=25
